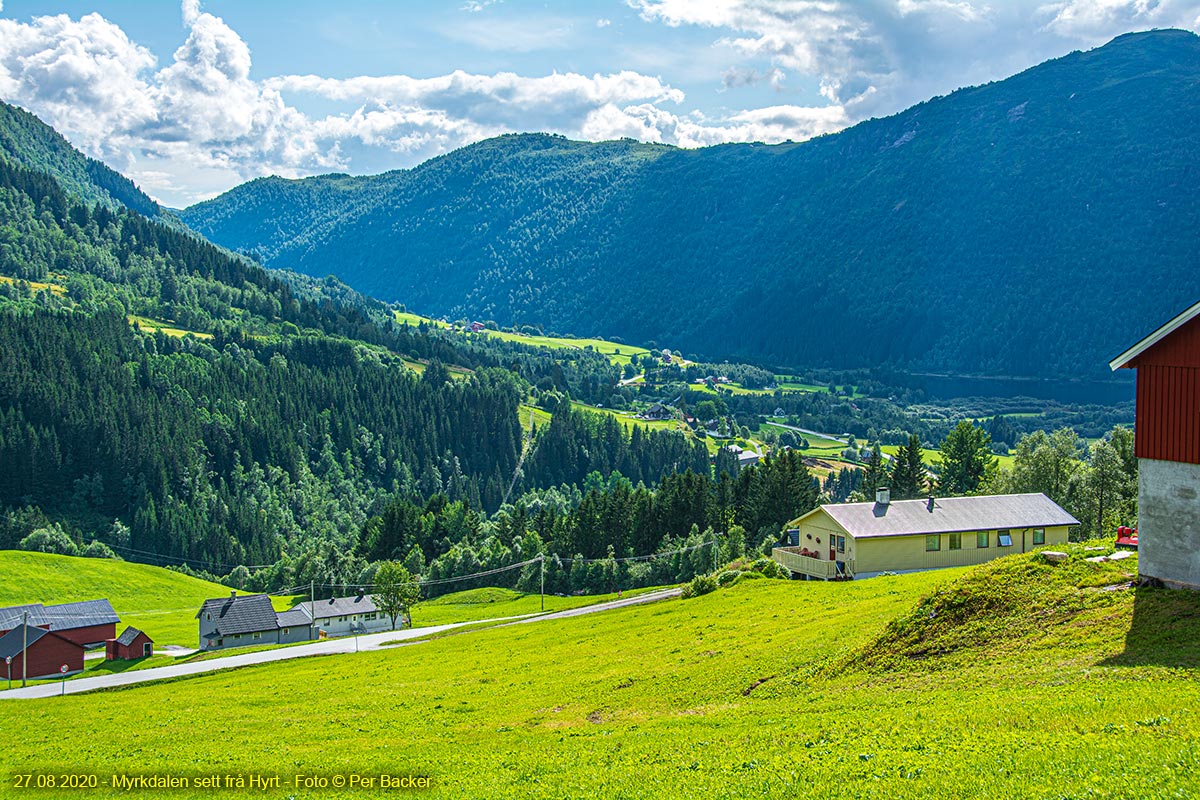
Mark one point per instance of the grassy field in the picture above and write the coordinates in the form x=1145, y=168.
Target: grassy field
x=930, y=457
x=160, y=602
x=620, y=354
x=1016, y=679
x=37, y=286
x=491, y=603
x=151, y=325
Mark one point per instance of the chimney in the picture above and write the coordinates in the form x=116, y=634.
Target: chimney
x=883, y=495
x=232, y=594
x=929, y=505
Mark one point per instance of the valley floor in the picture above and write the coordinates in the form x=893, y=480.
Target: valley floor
x=1016, y=679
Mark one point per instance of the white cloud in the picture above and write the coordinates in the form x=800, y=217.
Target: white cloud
x=194, y=126
x=879, y=56
x=603, y=23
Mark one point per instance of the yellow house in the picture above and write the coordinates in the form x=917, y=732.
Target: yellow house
x=859, y=540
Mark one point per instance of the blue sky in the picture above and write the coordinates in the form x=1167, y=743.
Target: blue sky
x=190, y=98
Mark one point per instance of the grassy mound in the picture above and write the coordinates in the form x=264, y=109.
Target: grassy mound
x=160, y=602
x=1019, y=601
x=473, y=597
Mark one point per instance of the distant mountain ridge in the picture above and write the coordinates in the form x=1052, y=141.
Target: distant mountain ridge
x=1029, y=227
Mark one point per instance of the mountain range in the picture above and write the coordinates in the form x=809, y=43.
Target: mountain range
x=1028, y=227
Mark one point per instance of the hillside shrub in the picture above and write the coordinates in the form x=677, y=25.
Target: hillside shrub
x=728, y=577
x=51, y=539
x=701, y=584
x=98, y=549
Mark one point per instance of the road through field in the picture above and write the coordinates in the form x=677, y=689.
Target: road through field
x=372, y=641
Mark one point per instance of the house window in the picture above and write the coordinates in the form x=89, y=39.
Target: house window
x=982, y=539
x=1004, y=538
x=1039, y=536
x=258, y=636
x=220, y=642
x=208, y=617
x=285, y=631
x=933, y=542
x=237, y=636
x=841, y=544
x=956, y=541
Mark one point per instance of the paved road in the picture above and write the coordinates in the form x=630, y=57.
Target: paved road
x=372, y=641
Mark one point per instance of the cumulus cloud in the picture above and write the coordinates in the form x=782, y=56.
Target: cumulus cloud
x=196, y=125
x=200, y=122
x=879, y=56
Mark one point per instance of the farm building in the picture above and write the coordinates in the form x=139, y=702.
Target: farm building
x=90, y=622
x=43, y=652
x=657, y=411
x=240, y=620
x=237, y=621
x=860, y=540
x=340, y=616
x=131, y=644
x=1167, y=445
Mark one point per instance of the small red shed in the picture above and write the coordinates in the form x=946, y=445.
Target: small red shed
x=131, y=644
x=1167, y=445
x=45, y=653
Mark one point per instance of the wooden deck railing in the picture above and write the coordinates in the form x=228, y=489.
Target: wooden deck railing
x=805, y=565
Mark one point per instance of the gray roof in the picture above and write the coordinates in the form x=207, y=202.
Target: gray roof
x=128, y=636
x=12, y=616
x=294, y=617
x=62, y=617
x=344, y=606
x=949, y=515
x=247, y=613
x=80, y=615
x=11, y=643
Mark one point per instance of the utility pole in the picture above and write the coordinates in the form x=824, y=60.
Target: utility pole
x=542, y=568
x=24, y=648
x=312, y=611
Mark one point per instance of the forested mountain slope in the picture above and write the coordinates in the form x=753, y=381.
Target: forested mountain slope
x=29, y=142
x=273, y=422
x=1029, y=227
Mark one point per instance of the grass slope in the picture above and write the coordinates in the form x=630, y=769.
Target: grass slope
x=492, y=603
x=160, y=602
x=754, y=691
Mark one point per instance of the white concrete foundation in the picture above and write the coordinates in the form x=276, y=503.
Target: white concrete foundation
x=1169, y=523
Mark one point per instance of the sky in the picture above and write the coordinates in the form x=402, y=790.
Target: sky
x=190, y=99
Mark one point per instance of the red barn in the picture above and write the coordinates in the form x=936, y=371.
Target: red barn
x=44, y=651
x=1167, y=444
x=131, y=644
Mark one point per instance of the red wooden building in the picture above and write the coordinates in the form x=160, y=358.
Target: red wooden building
x=1167, y=444
x=45, y=653
x=131, y=644
x=87, y=622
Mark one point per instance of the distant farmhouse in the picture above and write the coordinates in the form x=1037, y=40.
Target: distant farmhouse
x=90, y=622
x=241, y=620
x=860, y=540
x=341, y=616
x=1167, y=445
x=250, y=619
x=657, y=411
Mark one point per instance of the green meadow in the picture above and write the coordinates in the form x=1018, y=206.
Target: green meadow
x=493, y=603
x=619, y=354
x=1014, y=679
x=160, y=602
